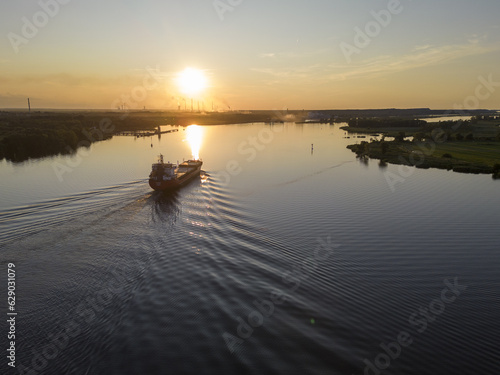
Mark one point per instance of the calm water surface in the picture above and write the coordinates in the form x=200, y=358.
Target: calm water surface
x=280, y=259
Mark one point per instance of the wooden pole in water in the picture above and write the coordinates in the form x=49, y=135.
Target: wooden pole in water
x=29, y=106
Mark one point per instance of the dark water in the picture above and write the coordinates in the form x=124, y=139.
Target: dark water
x=280, y=260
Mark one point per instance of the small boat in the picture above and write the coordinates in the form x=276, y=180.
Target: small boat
x=169, y=176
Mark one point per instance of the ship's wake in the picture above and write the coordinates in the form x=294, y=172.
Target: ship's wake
x=23, y=221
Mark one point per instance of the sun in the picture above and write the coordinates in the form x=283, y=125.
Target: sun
x=191, y=81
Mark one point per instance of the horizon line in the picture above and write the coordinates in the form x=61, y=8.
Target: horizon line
x=22, y=109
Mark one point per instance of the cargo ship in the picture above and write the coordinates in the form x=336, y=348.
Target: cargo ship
x=169, y=176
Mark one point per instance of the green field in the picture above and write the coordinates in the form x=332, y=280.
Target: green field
x=462, y=146
x=468, y=147
x=464, y=156
x=486, y=153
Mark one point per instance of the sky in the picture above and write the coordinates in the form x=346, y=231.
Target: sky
x=253, y=54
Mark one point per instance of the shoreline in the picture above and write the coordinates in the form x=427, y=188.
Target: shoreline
x=471, y=157
x=29, y=135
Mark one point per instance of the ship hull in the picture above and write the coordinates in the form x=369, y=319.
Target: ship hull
x=176, y=182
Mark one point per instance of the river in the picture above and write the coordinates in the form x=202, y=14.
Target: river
x=287, y=256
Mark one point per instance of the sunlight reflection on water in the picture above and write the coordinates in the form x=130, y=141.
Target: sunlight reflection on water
x=194, y=136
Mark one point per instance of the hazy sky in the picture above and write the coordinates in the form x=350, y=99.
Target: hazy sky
x=256, y=54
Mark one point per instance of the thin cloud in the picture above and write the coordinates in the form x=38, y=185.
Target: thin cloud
x=418, y=58
x=296, y=55
x=295, y=73
x=66, y=79
x=422, y=47
x=476, y=38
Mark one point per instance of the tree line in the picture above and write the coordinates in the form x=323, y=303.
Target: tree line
x=25, y=137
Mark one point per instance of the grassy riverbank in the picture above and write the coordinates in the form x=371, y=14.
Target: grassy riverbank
x=442, y=146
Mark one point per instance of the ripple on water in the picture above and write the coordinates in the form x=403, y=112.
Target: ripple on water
x=153, y=281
